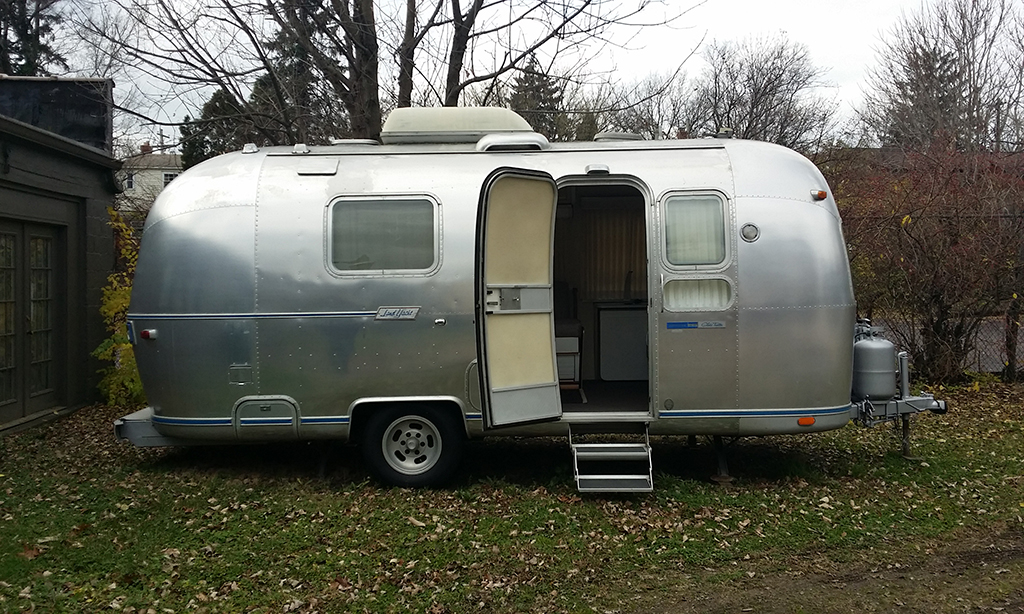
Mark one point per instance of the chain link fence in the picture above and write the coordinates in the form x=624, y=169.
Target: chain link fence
x=988, y=353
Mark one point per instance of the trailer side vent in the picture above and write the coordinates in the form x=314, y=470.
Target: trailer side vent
x=530, y=141
x=450, y=124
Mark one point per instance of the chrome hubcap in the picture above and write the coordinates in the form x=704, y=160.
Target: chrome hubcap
x=411, y=445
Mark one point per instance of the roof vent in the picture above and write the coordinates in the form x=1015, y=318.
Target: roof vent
x=617, y=136
x=449, y=124
x=529, y=141
x=353, y=142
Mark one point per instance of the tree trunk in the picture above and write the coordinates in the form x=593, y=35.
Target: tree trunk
x=463, y=25
x=406, y=56
x=364, y=105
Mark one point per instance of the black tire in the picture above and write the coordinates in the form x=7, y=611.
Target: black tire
x=412, y=446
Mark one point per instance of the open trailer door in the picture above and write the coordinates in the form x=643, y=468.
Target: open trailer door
x=515, y=319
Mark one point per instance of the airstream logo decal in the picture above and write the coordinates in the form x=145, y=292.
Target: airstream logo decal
x=397, y=313
x=689, y=325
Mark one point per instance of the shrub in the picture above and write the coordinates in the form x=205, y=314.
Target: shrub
x=120, y=384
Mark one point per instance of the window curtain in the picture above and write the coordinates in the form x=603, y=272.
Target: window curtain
x=697, y=294
x=694, y=230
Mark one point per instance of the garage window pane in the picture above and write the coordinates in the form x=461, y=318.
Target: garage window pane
x=383, y=235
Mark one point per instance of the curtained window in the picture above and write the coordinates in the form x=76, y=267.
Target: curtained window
x=695, y=230
x=697, y=294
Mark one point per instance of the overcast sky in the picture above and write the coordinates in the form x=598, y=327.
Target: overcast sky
x=842, y=35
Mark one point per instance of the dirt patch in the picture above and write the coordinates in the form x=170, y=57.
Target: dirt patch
x=976, y=572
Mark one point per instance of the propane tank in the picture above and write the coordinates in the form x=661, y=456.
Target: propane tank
x=874, y=369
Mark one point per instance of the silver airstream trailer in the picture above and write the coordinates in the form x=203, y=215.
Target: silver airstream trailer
x=467, y=277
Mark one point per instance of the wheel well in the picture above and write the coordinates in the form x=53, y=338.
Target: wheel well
x=362, y=411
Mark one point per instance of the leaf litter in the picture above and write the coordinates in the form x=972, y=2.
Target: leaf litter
x=254, y=529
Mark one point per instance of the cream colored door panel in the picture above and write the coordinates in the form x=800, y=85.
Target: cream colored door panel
x=515, y=312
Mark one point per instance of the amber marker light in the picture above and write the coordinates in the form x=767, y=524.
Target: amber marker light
x=819, y=194
x=805, y=421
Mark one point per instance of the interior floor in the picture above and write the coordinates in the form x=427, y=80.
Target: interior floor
x=599, y=395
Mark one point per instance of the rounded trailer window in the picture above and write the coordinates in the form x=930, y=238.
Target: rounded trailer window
x=383, y=235
x=695, y=230
x=697, y=295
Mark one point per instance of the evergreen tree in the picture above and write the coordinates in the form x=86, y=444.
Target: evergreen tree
x=287, y=105
x=538, y=98
x=220, y=128
x=927, y=101
x=949, y=76
x=26, y=30
x=586, y=127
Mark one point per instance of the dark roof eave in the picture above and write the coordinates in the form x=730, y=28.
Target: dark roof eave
x=56, y=142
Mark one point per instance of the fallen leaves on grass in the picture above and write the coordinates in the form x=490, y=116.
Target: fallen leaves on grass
x=274, y=537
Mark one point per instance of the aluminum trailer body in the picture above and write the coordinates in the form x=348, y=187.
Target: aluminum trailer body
x=317, y=292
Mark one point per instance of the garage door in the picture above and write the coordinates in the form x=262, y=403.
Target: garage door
x=30, y=377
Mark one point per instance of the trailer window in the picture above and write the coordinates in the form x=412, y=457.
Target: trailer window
x=383, y=235
x=694, y=230
x=697, y=295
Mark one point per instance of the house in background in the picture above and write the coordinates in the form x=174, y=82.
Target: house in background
x=56, y=249
x=142, y=177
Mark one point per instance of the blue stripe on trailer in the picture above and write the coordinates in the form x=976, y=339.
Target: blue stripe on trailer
x=192, y=421
x=261, y=421
x=326, y=420
x=746, y=413
x=251, y=316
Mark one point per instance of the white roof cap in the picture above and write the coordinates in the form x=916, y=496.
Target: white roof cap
x=449, y=124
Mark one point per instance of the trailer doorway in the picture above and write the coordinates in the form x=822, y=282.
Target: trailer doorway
x=601, y=297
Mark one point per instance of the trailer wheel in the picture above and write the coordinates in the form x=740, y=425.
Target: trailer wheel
x=412, y=446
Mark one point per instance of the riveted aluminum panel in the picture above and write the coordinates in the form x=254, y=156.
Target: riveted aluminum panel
x=799, y=259
x=266, y=418
x=225, y=181
x=797, y=310
x=696, y=351
x=194, y=284
x=197, y=262
x=258, y=264
x=697, y=365
x=327, y=364
x=325, y=345
x=186, y=372
x=765, y=170
x=795, y=357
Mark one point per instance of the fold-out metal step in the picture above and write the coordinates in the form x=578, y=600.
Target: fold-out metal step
x=613, y=466
x=614, y=483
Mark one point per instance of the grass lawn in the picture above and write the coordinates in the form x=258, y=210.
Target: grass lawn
x=87, y=525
